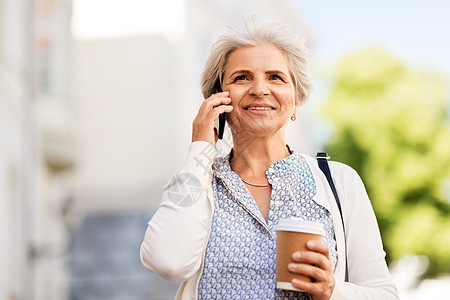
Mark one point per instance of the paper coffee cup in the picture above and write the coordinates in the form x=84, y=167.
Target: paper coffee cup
x=292, y=235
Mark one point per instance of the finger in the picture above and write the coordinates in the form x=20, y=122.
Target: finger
x=222, y=109
x=215, y=104
x=224, y=93
x=217, y=99
x=213, y=114
x=312, y=258
x=314, y=246
x=303, y=285
x=312, y=287
x=208, y=119
x=212, y=110
x=318, y=246
x=314, y=272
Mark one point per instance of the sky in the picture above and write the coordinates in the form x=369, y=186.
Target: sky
x=415, y=31
x=127, y=17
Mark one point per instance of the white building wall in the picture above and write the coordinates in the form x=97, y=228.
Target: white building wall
x=16, y=189
x=17, y=151
x=32, y=230
x=56, y=147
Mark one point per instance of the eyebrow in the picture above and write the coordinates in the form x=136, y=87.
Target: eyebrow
x=245, y=71
x=277, y=72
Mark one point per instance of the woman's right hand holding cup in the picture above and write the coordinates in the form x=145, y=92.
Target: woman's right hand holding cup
x=203, y=124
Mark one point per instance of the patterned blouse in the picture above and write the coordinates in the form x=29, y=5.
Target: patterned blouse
x=240, y=255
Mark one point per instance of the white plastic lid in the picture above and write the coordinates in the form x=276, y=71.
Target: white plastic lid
x=299, y=225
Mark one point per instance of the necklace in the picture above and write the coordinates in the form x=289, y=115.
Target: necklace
x=254, y=184
x=247, y=182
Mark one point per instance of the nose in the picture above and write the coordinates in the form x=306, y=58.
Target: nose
x=259, y=88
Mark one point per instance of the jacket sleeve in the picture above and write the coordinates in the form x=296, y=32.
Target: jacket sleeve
x=369, y=276
x=176, y=236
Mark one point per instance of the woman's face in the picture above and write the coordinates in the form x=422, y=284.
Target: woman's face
x=261, y=90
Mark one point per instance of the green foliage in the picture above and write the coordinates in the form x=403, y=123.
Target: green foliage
x=392, y=125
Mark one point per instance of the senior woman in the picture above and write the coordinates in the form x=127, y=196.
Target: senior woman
x=221, y=243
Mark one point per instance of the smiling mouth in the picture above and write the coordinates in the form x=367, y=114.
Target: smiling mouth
x=259, y=108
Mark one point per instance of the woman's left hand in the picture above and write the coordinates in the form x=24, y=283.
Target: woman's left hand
x=317, y=265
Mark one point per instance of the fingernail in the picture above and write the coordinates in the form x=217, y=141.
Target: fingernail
x=312, y=243
x=296, y=255
x=292, y=267
x=296, y=281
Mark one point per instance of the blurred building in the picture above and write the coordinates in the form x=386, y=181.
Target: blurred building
x=36, y=147
x=17, y=150
x=92, y=127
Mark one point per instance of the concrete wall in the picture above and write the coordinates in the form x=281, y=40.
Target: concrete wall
x=17, y=151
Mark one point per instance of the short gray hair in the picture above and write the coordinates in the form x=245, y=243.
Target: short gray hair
x=273, y=33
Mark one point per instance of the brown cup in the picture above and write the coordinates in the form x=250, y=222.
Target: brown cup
x=292, y=235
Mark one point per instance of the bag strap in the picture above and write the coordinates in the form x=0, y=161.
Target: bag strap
x=322, y=160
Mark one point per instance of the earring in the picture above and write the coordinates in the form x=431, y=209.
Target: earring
x=293, y=117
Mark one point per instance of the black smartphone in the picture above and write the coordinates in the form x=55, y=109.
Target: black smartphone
x=221, y=120
x=221, y=126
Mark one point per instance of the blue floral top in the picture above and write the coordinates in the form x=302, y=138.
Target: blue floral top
x=240, y=255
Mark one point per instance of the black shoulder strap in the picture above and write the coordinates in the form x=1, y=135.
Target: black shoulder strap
x=322, y=160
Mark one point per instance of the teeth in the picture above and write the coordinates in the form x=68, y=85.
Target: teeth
x=259, y=108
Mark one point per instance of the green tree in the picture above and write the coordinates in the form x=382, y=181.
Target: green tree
x=392, y=125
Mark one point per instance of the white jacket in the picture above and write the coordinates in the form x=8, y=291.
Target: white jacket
x=175, y=241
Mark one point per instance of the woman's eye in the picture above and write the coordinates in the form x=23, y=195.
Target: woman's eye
x=240, y=77
x=276, y=77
